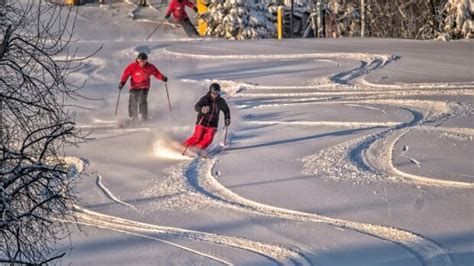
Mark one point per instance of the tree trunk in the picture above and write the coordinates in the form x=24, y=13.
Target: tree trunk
x=362, y=18
x=320, y=19
x=433, y=14
x=1, y=123
x=291, y=20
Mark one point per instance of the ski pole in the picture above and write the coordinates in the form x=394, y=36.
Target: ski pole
x=225, y=136
x=169, y=102
x=157, y=27
x=168, y=95
x=185, y=149
x=118, y=99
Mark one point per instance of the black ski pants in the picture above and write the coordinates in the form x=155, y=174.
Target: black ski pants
x=137, y=104
x=189, y=28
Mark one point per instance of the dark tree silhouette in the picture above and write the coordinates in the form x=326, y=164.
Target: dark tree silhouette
x=36, y=189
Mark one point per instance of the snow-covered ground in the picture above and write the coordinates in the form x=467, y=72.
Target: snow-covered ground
x=340, y=151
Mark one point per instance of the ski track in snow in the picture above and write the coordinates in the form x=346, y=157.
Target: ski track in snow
x=114, y=126
x=109, y=194
x=197, y=175
x=427, y=251
x=367, y=107
x=365, y=159
x=122, y=229
x=417, y=179
x=275, y=253
x=370, y=158
x=329, y=123
x=364, y=57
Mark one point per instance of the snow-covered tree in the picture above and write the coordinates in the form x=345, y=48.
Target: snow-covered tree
x=239, y=19
x=459, y=20
x=250, y=19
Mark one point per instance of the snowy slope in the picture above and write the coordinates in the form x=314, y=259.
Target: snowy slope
x=341, y=151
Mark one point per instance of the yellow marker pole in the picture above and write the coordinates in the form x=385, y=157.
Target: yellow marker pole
x=280, y=22
x=202, y=25
x=70, y=2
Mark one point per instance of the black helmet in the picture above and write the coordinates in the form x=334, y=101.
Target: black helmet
x=214, y=87
x=142, y=56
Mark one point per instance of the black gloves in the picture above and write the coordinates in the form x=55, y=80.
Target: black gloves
x=167, y=16
x=120, y=86
x=227, y=122
x=195, y=9
x=165, y=78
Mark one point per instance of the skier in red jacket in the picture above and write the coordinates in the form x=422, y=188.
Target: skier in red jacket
x=176, y=8
x=140, y=71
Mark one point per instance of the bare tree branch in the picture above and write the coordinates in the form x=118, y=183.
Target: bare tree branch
x=36, y=190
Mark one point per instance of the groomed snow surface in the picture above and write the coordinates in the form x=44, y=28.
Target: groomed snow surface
x=340, y=151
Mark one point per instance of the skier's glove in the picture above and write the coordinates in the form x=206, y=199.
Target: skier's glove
x=120, y=86
x=167, y=16
x=165, y=78
x=227, y=122
x=205, y=109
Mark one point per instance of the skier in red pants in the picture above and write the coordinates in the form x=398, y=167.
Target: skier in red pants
x=208, y=108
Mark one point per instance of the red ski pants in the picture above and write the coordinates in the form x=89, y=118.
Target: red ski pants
x=202, y=137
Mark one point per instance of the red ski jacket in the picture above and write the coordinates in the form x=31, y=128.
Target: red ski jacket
x=140, y=75
x=178, y=9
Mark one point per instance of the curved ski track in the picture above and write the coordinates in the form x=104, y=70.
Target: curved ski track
x=373, y=155
x=109, y=194
x=426, y=250
x=275, y=253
